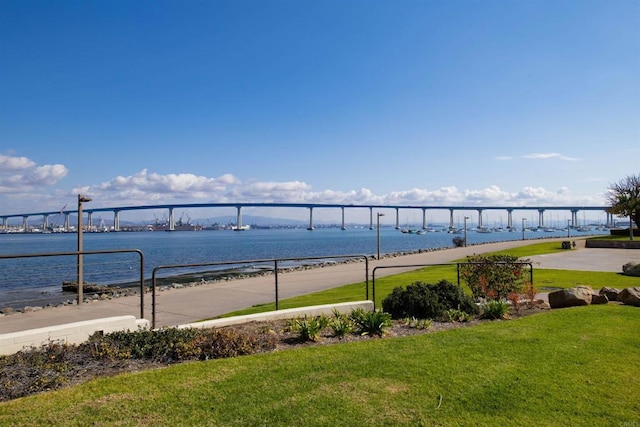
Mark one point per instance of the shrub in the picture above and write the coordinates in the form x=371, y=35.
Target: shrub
x=427, y=301
x=309, y=328
x=530, y=292
x=372, y=322
x=493, y=276
x=412, y=322
x=456, y=315
x=495, y=309
x=458, y=242
x=341, y=324
x=172, y=344
x=36, y=369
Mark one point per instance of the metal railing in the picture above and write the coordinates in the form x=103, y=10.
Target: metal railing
x=458, y=264
x=79, y=253
x=275, y=269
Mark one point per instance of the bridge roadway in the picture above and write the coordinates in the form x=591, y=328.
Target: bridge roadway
x=311, y=206
x=182, y=306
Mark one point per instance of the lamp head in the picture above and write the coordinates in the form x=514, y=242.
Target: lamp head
x=83, y=199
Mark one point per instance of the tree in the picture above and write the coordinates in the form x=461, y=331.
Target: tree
x=624, y=197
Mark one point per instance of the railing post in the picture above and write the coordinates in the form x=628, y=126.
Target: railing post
x=275, y=266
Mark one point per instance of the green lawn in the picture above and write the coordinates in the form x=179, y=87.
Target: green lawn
x=543, y=280
x=576, y=366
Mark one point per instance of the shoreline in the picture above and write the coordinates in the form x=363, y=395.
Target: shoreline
x=217, y=276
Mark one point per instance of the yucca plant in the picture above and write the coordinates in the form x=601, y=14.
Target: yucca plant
x=495, y=309
x=456, y=315
x=309, y=328
x=371, y=322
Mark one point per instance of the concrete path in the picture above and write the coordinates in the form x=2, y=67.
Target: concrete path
x=181, y=306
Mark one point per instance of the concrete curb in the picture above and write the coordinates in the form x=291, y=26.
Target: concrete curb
x=290, y=313
x=71, y=333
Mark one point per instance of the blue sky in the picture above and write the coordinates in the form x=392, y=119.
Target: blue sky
x=401, y=102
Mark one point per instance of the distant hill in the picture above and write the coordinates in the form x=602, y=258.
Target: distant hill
x=262, y=221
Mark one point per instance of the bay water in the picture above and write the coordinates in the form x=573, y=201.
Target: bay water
x=32, y=279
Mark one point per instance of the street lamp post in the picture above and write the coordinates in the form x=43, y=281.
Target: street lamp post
x=568, y=228
x=81, y=199
x=465, y=230
x=379, y=215
x=523, y=220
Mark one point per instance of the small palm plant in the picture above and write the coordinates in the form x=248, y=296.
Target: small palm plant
x=495, y=309
x=341, y=324
x=309, y=328
x=371, y=322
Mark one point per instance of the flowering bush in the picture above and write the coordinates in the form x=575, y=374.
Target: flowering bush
x=494, y=276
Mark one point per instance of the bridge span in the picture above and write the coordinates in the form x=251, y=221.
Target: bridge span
x=310, y=206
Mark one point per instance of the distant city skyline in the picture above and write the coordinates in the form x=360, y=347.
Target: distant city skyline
x=358, y=102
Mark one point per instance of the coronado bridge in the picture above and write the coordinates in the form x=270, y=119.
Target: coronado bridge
x=116, y=211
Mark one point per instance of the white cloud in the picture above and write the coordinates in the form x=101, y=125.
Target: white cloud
x=23, y=184
x=20, y=175
x=544, y=156
x=144, y=187
x=9, y=163
x=490, y=195
x=504, y=158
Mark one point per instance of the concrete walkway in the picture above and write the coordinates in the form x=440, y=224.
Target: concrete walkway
x=182, y=306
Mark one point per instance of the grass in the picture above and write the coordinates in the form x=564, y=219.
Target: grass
x=574, y=366
x=609, y=237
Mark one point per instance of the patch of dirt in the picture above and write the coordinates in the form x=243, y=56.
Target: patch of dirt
x=286, y=339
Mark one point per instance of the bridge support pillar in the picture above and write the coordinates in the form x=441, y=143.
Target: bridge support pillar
x=116, y=220
x=451, y=224
x=239, y=218
x=424, y=218
x=370, y=217
x=344, y=227
x=310, y=228
x=574, y=218
x=172, y=220
x=66, y=222
x=25, y=223
x=479, y=218
x=90, y=221
x=45, y=221
x=510, y=219
x=397, y=218
x=540, y=218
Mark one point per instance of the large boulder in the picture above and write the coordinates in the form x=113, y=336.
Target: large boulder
x=630, y=296
x=610, y=293
x=631, y=269
x=572, y=297
x=599, y=299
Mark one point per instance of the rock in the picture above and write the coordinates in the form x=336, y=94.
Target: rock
x=630, y=296
x=631, y=269
x=599, y=299
x=7, y=310
x=572, y=297
x=610, y=293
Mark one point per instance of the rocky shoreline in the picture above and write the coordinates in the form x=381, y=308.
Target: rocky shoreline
x=93, y=293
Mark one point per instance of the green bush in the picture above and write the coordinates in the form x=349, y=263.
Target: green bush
x=172, y=344
x=341, y=324
x=495, y=309
x=494, y=276
x=371, y=322
x=309, y=328
x=427, y=301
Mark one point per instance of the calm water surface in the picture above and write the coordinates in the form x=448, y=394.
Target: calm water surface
x=24, y=279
